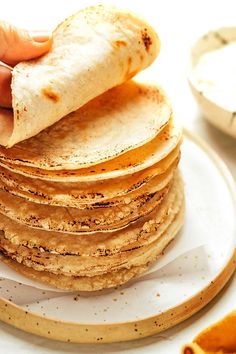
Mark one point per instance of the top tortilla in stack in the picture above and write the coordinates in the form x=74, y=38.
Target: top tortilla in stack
x=121, y=119
x=94, y=50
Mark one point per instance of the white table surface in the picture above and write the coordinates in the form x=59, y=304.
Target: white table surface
x=178, y=24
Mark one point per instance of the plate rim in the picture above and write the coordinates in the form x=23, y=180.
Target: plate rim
x=75, y=332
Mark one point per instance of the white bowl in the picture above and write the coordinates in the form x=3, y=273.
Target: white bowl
x=223, y=118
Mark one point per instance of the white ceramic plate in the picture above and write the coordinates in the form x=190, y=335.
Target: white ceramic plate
x=162, y=299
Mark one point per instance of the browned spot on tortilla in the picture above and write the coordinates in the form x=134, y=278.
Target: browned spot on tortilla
x=128, y=70
x=130, y=73
x=146, y=39
x=17, y=114
x=140, y=55
x=47, y=92
x=120, y=44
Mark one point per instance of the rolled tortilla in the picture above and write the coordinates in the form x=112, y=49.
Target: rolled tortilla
x=94, y=50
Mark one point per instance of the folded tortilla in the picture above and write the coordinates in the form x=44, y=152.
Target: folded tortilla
x=94, y=50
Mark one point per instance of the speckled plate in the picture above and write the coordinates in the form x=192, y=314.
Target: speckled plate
x=158, y=300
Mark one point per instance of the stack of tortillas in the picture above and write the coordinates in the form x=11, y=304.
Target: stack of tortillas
x=93, y=199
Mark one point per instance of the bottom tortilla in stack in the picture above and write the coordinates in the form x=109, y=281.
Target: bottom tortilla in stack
x=94, y=226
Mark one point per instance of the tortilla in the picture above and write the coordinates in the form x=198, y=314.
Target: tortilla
x=142, y=232
x=121, y=119
x=76, y=220
x=84, y=195
x=89, y=266
x=139, y=233
x=94, y=50
x=129, y=163
x=99, y=282
x=105, y=280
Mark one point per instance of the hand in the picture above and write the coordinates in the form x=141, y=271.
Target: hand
x=17, y=45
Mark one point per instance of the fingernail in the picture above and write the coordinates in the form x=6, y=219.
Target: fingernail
x=40, y=36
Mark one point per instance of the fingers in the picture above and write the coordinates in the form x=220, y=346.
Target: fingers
x=5, y=87
x=6, y=125
x=17, y=45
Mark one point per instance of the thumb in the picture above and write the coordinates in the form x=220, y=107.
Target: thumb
x=17, y=45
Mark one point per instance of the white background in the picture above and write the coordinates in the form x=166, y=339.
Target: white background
x=178, y=24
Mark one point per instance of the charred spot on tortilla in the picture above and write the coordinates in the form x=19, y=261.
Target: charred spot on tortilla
x=17, y=114
x=48, y=93
x=146, y=39
x=120, y=43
